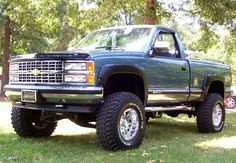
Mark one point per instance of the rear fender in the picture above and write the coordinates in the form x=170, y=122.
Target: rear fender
x=209, y=78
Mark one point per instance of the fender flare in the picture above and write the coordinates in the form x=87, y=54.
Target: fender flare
x=208, y=79
x=108, y=70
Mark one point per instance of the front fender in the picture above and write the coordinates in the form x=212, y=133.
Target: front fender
x=108, y=70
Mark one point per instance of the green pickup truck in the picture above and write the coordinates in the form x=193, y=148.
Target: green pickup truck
x=115, y=80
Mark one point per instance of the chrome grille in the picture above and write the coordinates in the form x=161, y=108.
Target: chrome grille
x=41, y=65
x=48, y=72
x=41, y=78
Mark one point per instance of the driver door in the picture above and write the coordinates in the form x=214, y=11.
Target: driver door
x=168, y=71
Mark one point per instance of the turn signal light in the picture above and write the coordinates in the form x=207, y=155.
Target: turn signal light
x=90, y=66
x=90, y=78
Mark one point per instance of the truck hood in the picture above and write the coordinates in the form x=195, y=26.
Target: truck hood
x=73, y=55
x=51, y=56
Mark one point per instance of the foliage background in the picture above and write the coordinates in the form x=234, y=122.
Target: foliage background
x=208, y=27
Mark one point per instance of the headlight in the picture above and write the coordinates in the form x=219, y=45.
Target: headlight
x=80, y=66
x=76, y=78
x=80, y=78
x=76, y=66
x=14, y=67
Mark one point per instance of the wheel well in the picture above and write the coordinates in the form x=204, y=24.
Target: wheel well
x=217, y=87
x=125, y=83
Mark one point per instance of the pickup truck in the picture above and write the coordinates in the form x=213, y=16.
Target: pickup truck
x=115, y=80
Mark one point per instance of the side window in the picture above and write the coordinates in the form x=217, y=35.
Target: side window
x=165, y=46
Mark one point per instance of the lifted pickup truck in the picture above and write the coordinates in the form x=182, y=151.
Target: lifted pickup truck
x=115, y=80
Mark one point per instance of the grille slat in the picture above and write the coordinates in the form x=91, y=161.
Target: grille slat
x=41, y=65
x=41, y=78
x=46, y=75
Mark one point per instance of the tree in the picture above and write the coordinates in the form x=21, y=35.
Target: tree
x=217, y=13
x=220, y=12
x=118, y=12
x=6, y=51
x=150, y=8
x=6, y=34
x=38, y=28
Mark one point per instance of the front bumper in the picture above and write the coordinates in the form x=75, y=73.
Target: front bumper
x=58, y=97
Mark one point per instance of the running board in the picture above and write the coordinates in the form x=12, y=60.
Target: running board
x=166, y=108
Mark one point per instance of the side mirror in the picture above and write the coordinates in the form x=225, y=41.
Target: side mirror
x=151, y=53
x=186, y=55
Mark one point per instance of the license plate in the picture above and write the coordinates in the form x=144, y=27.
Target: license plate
x=29, y=96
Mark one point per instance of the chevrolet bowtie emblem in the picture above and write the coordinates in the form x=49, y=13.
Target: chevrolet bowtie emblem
x=35, y=72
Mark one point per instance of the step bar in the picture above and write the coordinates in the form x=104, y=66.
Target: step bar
x=168, y=108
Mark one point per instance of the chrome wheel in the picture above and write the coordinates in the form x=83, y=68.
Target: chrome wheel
x=231, y=102
x=217, y=115
x=129, y=124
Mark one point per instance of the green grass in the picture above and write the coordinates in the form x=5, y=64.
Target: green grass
x=166, y=140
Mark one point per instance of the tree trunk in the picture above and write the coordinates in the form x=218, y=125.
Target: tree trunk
x=150, y=9
x=6, y=52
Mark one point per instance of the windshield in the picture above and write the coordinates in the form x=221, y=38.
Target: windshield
x=126, y=39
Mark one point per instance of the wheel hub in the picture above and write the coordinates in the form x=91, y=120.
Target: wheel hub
x=217, y=115
x=129, y=124
x=231, y=102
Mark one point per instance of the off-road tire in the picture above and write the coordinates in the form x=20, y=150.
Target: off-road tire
x=24, y=126
x=205, y=114
x=108, y=118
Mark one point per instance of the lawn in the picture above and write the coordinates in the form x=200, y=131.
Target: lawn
x=166, y=140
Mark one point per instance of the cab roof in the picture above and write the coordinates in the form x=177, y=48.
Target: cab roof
x=140, y=26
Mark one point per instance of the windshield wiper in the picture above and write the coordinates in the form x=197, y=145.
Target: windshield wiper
x=109, y=48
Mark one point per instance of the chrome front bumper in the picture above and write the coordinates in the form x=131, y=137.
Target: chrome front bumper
x=81, y=95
